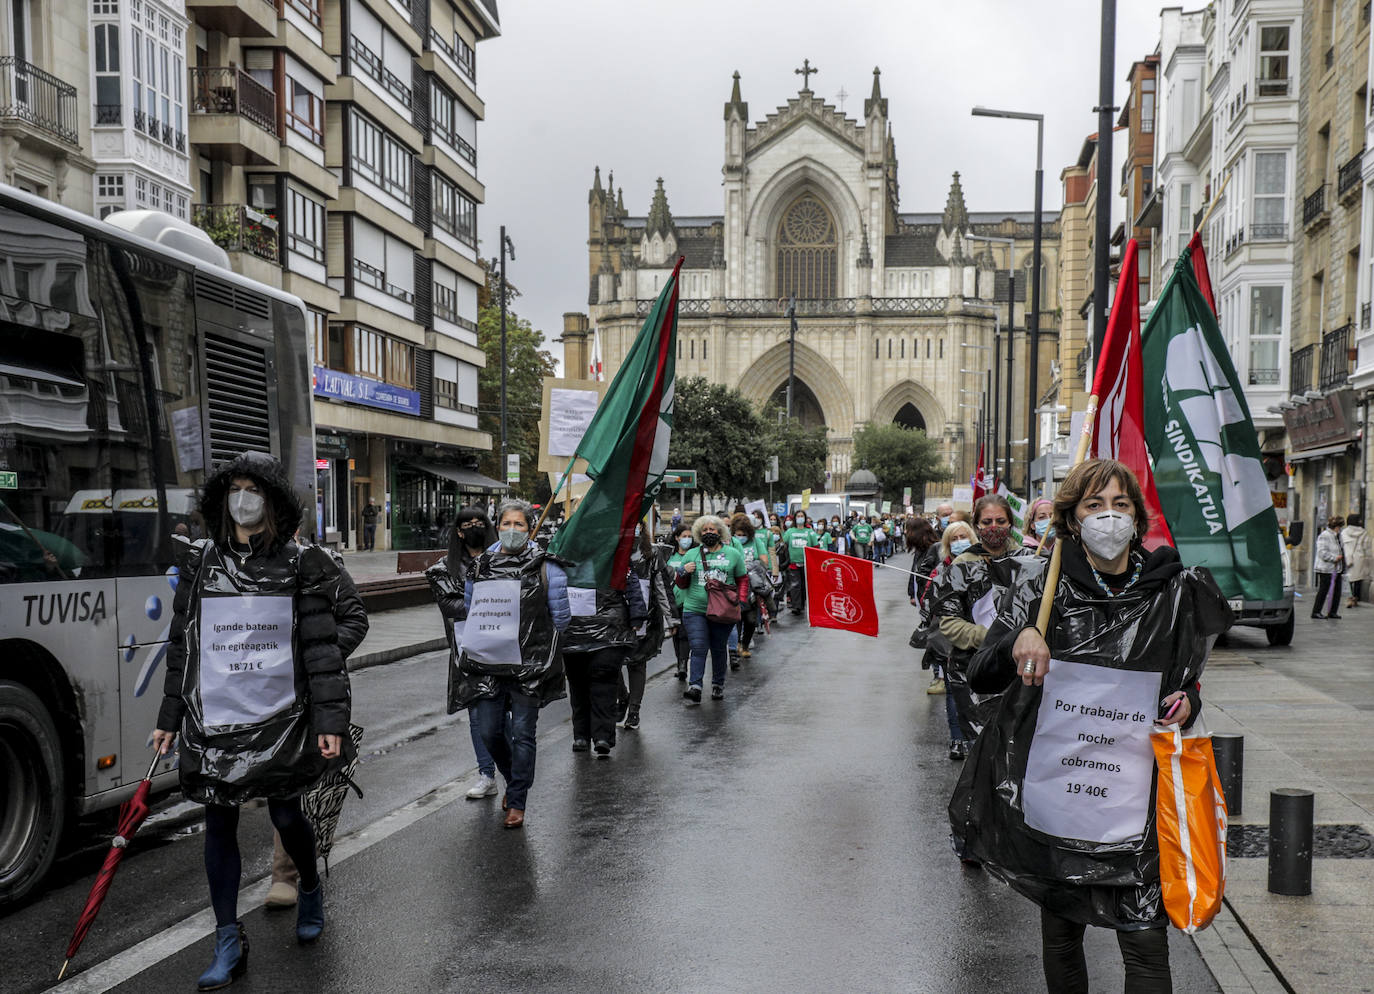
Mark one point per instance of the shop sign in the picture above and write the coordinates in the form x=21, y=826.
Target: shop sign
x=361, y=390
x=321, y=463
x=1325, y=421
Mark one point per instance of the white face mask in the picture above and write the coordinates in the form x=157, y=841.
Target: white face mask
x=246, y=507
x=685, y=542
x=1107, y=534
x=513, y=539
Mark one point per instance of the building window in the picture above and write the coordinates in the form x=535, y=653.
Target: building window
x=889, y=348
x=371, y=63
x=453, y=210
x=400, y=363
x=108, y=186
x=380, y=158
x=304, y=112
x=318, y=323
x=1147, y=105
x=305, y=225
x=159, y=80
x=369, y=353
x=467, y=58
x=446, y=393
x=1185, y=214
x=445, y=115
x=105, y=8
x=309, y=9
x=807, y=251
x=877, y=349
x=1273, y=75
x=108, y=103
x=1271, y=184
x=1266, y=333
x=446, y=302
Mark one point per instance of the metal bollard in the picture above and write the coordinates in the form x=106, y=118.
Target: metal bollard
x=1229, y=750
x=1290, y=841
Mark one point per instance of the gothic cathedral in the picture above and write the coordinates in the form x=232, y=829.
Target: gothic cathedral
x=896, y=312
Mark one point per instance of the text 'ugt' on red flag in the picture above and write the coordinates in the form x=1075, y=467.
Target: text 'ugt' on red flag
x=839, y=592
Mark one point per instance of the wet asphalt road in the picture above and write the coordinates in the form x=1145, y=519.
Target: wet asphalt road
x=790, y=838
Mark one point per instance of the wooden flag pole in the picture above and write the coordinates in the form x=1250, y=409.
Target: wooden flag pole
x=566, y=478
x=1042, y=621
x=1213, y=205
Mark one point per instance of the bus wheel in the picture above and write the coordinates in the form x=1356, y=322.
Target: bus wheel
x=33, y=791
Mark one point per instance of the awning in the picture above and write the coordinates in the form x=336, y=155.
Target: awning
x=468, y=480
x=1339, y=449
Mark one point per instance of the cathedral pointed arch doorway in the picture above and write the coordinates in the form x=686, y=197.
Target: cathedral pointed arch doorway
x=909, y=417
x=807, y=251
x=805, y=407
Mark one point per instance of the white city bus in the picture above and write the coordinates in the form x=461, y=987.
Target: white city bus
x=132, y=363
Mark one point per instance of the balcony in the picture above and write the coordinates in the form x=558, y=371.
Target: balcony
x=239, y=228
x=1276, y=231
x=1348, y=178
x=236, y=18
x=1260, y=377
x=1336, y=359
x=1271, y=87
x=1315, y=211
x=37, y=102
x=233, y=116
x=1233, y=243
x=1300, y=369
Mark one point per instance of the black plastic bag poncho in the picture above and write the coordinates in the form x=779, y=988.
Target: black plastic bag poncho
x=1154, y=637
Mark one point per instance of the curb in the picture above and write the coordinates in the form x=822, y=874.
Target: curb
x=384, y=656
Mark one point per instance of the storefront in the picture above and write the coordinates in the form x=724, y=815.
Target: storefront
x=1323, y=464
x=429, y=485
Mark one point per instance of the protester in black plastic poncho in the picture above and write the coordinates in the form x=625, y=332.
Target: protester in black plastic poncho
x=255, y=686
x=1127, y=640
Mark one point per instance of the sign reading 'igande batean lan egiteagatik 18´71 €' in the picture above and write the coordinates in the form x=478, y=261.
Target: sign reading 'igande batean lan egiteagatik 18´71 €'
x=1090, y=765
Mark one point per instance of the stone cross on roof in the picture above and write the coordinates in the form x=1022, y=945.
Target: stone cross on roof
x=805, y=73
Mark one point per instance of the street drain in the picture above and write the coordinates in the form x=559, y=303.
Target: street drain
x=1328, y=842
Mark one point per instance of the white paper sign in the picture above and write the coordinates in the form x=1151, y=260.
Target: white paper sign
x=189, y=443
x=1090, y=765
x=643, y=629
x=247, y=670
x=758, y=507
x=570, y=412
x=458, y=632
x=985, y=608
x=582, y=601
x=491, y=634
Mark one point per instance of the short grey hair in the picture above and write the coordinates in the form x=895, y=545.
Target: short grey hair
x=515, y=504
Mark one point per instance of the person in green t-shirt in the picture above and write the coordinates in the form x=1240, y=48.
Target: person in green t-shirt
x=862, y=533
x=715, y=557
x=682, y=546
x=796, y=540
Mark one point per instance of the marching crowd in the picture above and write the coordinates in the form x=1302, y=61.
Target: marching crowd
x=522, y=636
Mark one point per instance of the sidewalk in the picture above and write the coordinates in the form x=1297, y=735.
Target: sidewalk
x=1305, y=714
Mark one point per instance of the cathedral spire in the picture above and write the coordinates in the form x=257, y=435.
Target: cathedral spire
x=736, y=103
x=876, y=99
x=865, y=259
x=660, y=219
x=956, y=214
x=620, y=202
x=596, y=193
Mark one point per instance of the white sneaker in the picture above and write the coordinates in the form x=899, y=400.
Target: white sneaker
x=484, y=787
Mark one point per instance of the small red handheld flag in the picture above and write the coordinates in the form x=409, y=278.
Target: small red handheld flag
x=839, y=592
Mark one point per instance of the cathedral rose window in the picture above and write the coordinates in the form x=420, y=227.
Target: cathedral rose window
x=807, y=251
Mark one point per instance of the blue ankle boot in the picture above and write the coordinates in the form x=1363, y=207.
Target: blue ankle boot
x=231, y=958
x=310, y=913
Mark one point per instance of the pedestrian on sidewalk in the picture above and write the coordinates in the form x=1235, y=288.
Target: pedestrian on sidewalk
x=1359, y=556
x=512, y=665
x=350, y=616
x=269, y=731
x=647, y=563
x=713, y=560
x=1118, y=608
x=596, y=644
x=370, y=513
x=471, y=535
x=1329, y=565
x=965, y=603
x=682, y=545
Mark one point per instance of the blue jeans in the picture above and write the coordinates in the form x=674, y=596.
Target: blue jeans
x=705, y=634
x=485, y=764
x=509, y=738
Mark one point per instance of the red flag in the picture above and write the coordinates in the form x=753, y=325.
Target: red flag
x=839, y=592
x=1118, y=432
x=1199, y=259
x=980, y=482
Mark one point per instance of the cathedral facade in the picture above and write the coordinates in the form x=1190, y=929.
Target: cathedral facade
x=896, y=312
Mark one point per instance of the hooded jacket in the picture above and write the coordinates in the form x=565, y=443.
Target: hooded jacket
x=1359, y=553
x=244, y=734
x=965, y=592
x=612, y=623
x=544, y=615
x=1162, y=623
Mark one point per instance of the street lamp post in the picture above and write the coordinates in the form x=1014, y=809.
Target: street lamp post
x=1033, y=319
x=1010, y=243
x=791, y=350
x=507, y=249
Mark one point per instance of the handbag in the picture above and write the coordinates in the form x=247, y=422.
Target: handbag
x=1190, y=819
x=722, y=600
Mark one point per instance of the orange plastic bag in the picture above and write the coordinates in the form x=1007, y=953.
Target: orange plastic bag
x=1191, y=823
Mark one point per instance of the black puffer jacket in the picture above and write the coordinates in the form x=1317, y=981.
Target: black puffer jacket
x=249, y=746
x=446, y=579
x=1162, y=623
x=618, y=613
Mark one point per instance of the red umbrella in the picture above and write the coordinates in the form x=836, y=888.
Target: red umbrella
x=131, y=815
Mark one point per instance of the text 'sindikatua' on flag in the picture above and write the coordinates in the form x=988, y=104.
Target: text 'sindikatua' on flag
x=839, y=592
x=1206, y=454
x=1118, y=432
x=626, y=449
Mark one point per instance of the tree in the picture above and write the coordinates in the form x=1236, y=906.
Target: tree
x=801, y=452
x=899, y=457
x=720, y=435
x=527, y=365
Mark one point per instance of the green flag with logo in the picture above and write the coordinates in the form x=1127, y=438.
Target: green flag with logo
x=1202, y=441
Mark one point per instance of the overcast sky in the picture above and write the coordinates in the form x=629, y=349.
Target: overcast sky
x=638, y=87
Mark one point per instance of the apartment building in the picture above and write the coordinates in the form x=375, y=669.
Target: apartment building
x=1138, y=108
x=333, y=153
x=1329, y=420
x=45, y=108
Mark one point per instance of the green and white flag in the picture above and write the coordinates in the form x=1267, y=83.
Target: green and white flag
x=1202, y=441
x=1018, y=513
